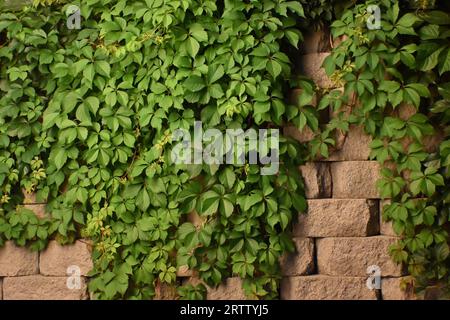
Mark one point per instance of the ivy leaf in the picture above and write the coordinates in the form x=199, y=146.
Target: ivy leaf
x=210, y=203
x=431, y=60
x=251, y=199
x=444, y=64
x=293, y=36
x=196, y=30
x=192, y=46
x=60, y=158
x=274, y=68
x=89, y=72
x=389, y=86
x=408, y=20
x=103, y=68
x=143, y=199
x=194, y=83
x=215, y=73
x=93, y=104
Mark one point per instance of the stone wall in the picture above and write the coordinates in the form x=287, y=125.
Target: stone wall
x=337, y=240
x=27, y=275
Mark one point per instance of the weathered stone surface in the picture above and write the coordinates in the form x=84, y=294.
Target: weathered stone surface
x=317, y=178
x=39, y=287
x=385, y=226
x=38, y=209
x=355, y=146
x=17, y=261
x=303, y=136
x=311, y=65
x=194, y=218
x=300, y=262
x=55, y=259
x=405, y=111
x=355, y=179
x=352, y=256
x=315, y=41
x=392, y=289
x=320, y=287
x=1, y=289
x=30, y=198
x=338, y=218
x=230, y=290
x=164, y=291
x=431, y=143
x=184, y=271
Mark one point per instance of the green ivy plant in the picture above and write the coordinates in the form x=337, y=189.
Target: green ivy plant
x=86, y=118
x=395, y=83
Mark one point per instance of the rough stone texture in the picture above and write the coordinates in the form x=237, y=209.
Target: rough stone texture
x=164, y=291
x=317, y=178
x=385, y=226
x=355, y=179
x=315, y=41
x=194, y=218
x=338, y=218
x=431, y=143
x=320, y=287
x=17, y=261
x=352, y=256
x=39, y=287
x=55, y=260
x=303, y=136
x=230, y=290
x=405, y=111
x=38, y=209
x=30, y=198
x=184, y=271
x=355, y=146
x=391, y=289
x=300, y=262
x=311, y=65
x=1, y=289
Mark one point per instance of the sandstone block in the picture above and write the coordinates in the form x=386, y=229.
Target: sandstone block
x=396, y=289
x=338, y=218
x=355, y=179
x=311, y=65
x=164, y=291
x=319, y=287
x=39, y=287
x=316, y=41
x=184, y=271
x=30, y=198
x=352, y=256
x=38, y=209
x=17, y=261
x=303, y=136
x=317, y=178
x=386, y=228
x=300, y=262
x=355, y=146
x=230, y=290
x=405, y=111
x=55, y=259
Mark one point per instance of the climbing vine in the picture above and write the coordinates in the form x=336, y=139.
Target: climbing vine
x=86, y=122
x=87, y=117
x=395, y=82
